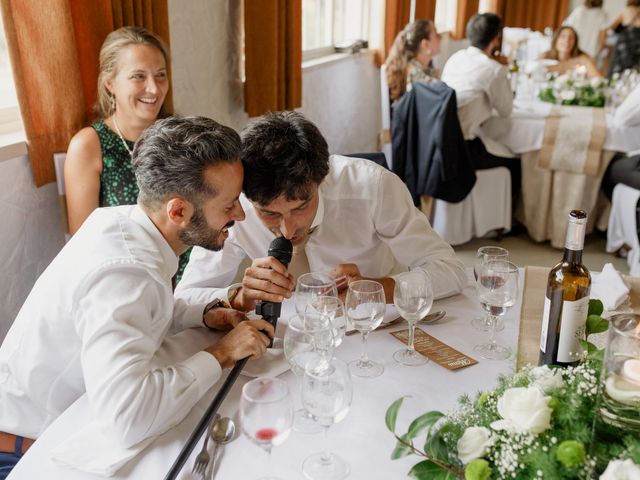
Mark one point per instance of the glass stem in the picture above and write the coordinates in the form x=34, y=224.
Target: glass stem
x=364, y=358
x=412, y=331
x=492, y=331
x=487, y=321
x=325, y=456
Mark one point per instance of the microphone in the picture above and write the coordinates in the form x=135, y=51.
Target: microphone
x=281, y=249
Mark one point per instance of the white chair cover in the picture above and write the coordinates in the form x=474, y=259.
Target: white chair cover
x=385, y=134
x=486, y=208
x=58, y=163
x=622, y=225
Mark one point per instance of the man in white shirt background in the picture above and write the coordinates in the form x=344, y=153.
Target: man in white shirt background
x=97, y=316
x=479, y=76
x=343, y=215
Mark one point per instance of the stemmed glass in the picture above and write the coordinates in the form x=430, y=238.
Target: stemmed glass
x=310, y=286
x=326, y=393
x=333, y=308
x=365, y=305
x=413, y=297
x=306, y=338
x=266, y=413
x=486, y=254
x=497, y=288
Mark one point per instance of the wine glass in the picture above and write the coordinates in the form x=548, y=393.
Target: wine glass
x=326, y=394
x=310, y=286
x=365, y=305
x=333, y=308
x=485, y=254
x=306, y=338
x=497, y=288
x=413, y=297
x=266, y=413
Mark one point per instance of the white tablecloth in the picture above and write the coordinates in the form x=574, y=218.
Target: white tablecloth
x=361, y=437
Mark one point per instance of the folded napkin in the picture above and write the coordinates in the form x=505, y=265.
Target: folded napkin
x=609, y=287
x=93, y=450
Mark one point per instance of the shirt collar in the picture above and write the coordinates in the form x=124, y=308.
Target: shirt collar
x=169, y=257
x=317, y=220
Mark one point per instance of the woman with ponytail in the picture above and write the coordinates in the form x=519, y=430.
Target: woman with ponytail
x=410, y=57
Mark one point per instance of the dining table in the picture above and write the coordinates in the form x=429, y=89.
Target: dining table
x=361, y=437
x=548, y=193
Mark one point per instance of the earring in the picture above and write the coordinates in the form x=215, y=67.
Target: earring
x=112, y=99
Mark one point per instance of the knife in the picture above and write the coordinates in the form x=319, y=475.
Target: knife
x=431, y=318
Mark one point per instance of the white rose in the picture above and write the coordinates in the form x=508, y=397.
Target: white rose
x=621, y=470
x=596, y=82
x=474, y=443
x=523, y=410
x=563, y=79
x=546, y=378
x=567, y=95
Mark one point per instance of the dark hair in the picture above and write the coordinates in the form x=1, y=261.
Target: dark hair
x=593, y=3
x=483, y=28
x=172, y=154
x=404, y=49
x=110, y=52
x=633, y=3
x=283, y=153
x=553, y=52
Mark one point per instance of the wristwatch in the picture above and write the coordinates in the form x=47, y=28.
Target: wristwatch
x=215, y=303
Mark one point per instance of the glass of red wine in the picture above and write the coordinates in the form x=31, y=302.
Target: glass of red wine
x=497, y=288
x=266, y=413
x=486, y=254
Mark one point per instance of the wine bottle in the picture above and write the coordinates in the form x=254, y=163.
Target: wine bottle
x=566, y=302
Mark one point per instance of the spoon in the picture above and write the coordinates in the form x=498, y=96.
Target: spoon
x=222, y=432
x=431, y=318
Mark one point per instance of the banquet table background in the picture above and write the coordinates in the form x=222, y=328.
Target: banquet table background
x=361, y=437
x=548, y=195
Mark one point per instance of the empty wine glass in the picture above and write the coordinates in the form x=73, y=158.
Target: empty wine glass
x=486, y=254
x=266, y=413
x=333, y=308
x=307, y=338
x=365, y=305
x=310, y=286
x=326, y=394
x=497, y=288
x=413, y=297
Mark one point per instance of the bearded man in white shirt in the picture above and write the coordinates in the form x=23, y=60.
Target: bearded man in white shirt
x=479, y=76
x=344, y=215
x=97, y=316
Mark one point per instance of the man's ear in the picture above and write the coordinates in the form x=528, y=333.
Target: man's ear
x=179, y=211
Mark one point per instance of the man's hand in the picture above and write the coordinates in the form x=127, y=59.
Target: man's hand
x=501, y=59
x=266, y=279
x=223, y=318
x=352, y=272
x=249, y=339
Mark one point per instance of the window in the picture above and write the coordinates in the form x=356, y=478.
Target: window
x=327, y=22
x=10, y=119
x=446, y=15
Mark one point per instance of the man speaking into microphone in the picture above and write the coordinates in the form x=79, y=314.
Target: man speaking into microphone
x=344, y=215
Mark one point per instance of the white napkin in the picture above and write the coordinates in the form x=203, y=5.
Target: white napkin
x=93, y=450
x=609, y=287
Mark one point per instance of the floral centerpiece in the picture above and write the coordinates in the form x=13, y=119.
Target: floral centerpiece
x=567, y=90
x=538, y=423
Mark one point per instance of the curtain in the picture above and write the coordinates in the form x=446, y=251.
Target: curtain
x=466, y=10
x=534, y=14
x=273, y=55
x=54, y=56
x=397, y=13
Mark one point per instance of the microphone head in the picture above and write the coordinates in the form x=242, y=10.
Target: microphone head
x=281, y=249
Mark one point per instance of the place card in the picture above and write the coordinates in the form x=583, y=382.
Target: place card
x=435, y=350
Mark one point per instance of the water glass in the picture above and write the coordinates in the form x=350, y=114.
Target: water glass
x=310, y=286
x=485, y=254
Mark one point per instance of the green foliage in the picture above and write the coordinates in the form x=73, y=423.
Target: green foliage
x=596, y=307
x=571, y=453
x=478, y=469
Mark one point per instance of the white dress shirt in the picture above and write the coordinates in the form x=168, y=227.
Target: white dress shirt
x=587, y=22
x=365, y=216
x=93, y=322
x=482, y=86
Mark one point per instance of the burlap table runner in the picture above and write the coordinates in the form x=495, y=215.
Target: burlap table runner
x=535, y=286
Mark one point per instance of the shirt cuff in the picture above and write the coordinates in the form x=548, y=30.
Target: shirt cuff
x=232, y=288
x=193, y=315
x=206, y=370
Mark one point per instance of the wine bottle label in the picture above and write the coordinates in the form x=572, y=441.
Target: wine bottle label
x=545, y=325
x=572, y=330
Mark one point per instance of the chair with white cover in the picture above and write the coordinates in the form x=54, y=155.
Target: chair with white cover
x=58, y=162
x=487, y=208
x=623, y=225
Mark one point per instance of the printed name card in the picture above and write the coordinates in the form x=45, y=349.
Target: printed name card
x=435, y=350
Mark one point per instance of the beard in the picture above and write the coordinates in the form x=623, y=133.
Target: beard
x=198, y=233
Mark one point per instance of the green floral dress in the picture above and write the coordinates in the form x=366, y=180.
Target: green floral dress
x=118, y=181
